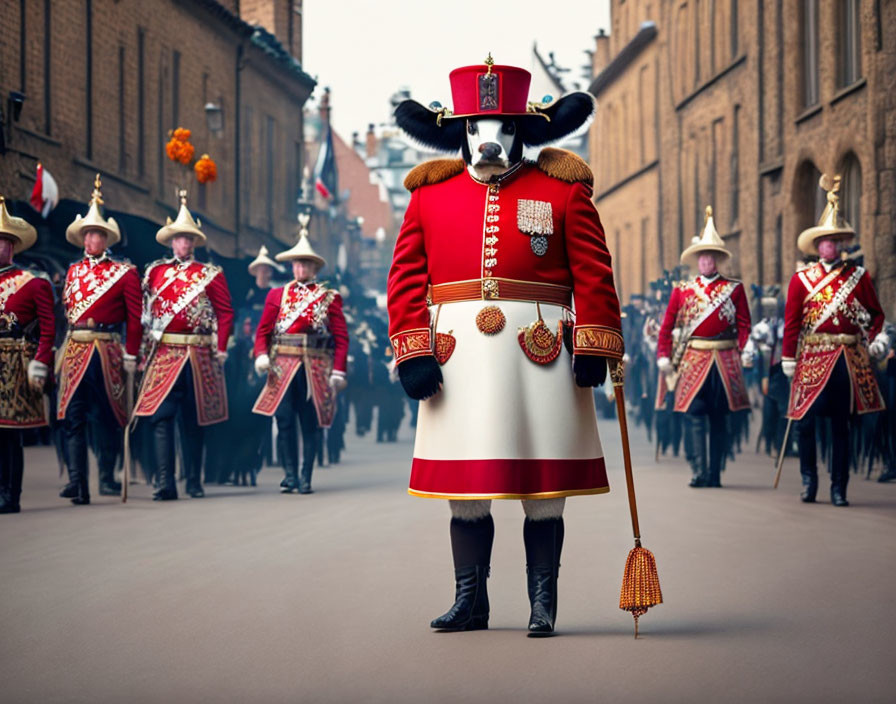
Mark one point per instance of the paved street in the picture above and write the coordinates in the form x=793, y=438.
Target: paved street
x=248, y=595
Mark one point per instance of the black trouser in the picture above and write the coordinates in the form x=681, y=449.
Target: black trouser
x=834, y=402
x=90, y=402
x=708, y=411
x=182, y=398
x=12, y=466
x=296, y=402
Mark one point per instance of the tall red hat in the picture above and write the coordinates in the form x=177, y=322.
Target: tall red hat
x=489, y=90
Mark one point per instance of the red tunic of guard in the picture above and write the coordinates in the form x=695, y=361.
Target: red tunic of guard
x=24, y=298
x=191, y=318
x=829, y=314
x=307, y=318
x=722, y=304
x=100, y=294
x=463, y=241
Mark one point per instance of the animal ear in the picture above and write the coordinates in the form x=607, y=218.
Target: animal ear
x=566, y=115
x=422, y=124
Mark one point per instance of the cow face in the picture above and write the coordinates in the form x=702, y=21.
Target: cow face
x=492, y=147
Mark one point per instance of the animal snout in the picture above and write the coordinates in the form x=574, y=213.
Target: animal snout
x=490, y=150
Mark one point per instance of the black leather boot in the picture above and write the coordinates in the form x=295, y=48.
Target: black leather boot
x=163, y=441
x=471, y=546
x=838, y=496
x=13, y=465
x=77, y=489
x=309, y=451
x=810, y=487
x=718, y=441
x=695, y=427
x=107, y=457
x=544, y=542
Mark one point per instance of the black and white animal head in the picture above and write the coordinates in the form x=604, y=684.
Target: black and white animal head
x=493, y=143
x=491, y=146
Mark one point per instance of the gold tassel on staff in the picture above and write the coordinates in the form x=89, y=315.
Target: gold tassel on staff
x=640, y=581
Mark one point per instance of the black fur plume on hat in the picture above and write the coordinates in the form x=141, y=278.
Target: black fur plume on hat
x=444, y=132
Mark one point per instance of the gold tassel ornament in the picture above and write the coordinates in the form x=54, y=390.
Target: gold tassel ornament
x=640, y=581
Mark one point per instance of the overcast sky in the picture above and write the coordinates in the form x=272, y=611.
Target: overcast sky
x=365, y=50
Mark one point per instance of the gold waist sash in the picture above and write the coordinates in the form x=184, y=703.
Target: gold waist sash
x=699, y=344
x=191, y=339
x=496, y=289
x=821, y=338
x=298, y=344
x=92, y=336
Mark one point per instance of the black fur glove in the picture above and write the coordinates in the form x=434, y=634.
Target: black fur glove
x=421, y=377
x=589, y=370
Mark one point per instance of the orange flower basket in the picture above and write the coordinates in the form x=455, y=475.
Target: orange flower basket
x=206, y=169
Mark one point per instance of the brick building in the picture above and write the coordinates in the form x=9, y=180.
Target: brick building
x=105, y=80
x=742, y=104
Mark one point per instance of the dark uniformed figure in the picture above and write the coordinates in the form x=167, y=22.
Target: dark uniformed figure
x=188, y=312
x=302, y=345
x=26, y=353
x=832, y=313
x=101, y=296
x=713, y=319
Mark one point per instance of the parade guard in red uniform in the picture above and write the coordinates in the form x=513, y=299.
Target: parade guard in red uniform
x=831, y=314
x=493, y=253
x=101, y=295
x=26, y=353
x=302, y=329
x=188, y=314
x=712, y=316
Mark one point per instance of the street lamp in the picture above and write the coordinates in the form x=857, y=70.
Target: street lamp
x=214, y=118
x=16, y=101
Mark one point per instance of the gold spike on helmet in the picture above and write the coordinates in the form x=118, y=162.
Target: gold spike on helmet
x=709, y=242
x=22, y=233
x=302, y=249
x=263, y=258
x=831, y=223
x=183, y=224
x=94, y=220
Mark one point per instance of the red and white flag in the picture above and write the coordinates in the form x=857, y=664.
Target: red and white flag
x=45, y=194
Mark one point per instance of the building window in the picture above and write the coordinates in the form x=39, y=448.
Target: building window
x=23, y=48
x=141, y=102
x=269, y=170
x=809, y=25
x=734, y=175
x=849, y=68
x=88, y=107
x=851, y=192
x=122, y=155
x=733, y=24
x=175, y=89
x=810, y=198
x=47, y=67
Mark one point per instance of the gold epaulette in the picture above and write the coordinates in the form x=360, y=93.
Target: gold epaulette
x=435, y=171
x=564, y=165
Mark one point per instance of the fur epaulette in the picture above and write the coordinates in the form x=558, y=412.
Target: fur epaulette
x=37, y=273
x=564, y=165
x=435, y=171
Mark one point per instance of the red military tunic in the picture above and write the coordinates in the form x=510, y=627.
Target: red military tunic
x=504, y=425
x=99, y=294
x=24, y=298
x=828, y=314
x=190, y=317
x=713, y=310
x=315, y=313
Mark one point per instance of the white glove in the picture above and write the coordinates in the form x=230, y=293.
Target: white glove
x=337, y=381
x=664, y=365
x=37, y=374
x=262, y=364
x=221, y=356
x=746, y=359
x=878, y=348
x=129, y=363
x=788, y=366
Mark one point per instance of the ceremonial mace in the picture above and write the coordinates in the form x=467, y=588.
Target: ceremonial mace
x=640, y=582
x=126, y=460
x=783, y=451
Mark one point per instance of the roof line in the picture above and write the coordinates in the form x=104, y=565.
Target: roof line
x=646, y=34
